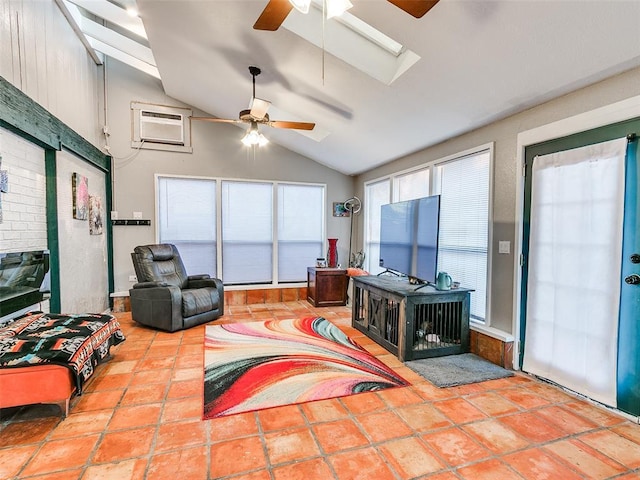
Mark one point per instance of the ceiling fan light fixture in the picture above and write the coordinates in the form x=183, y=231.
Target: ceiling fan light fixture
x=335, y=8
x=301, y=5
x=254, y=137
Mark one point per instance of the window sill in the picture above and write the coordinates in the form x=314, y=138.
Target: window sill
x=492, y=332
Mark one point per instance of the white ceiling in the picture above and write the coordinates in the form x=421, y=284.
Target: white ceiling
x=480, y=61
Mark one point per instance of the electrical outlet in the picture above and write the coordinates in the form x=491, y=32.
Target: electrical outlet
x=133, y=278
x=137, y=214
x=114, y=215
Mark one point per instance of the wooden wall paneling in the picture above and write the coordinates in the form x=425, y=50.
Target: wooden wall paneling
x=52, y=51
x=40, y=16
x=6, y=57
x=28, y=34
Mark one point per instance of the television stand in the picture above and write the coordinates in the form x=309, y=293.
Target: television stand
x=411, y=324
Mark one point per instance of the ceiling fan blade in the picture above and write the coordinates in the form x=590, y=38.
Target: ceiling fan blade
x=417, y=8
x=273, y=15
x=216, y=120
x=294, y=125
x=259, y=107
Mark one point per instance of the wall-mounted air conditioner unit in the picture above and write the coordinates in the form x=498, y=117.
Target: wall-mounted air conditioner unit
x=160, y=127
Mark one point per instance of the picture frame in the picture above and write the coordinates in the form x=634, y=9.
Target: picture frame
x=95, y=215
x=339, y=210
x=80, y=191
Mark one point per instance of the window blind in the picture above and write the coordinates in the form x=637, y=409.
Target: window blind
x=463, y=186
x=247, y=232
x=376, y=195
x=300, y=230
x=187, y=219
x=412, y=185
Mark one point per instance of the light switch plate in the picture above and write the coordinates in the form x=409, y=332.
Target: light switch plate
x=504, y=246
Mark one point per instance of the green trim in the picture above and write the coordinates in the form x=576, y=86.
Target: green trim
x=30, y=120
x=52, y=228
x=628, y=392
x=109, y=231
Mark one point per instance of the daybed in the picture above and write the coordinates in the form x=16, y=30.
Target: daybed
x=45, y=358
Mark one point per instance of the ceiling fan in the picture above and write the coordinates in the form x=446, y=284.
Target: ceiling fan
x=276, y=11
x=257, y=114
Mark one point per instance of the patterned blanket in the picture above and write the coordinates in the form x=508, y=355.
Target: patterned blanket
x=78, y=342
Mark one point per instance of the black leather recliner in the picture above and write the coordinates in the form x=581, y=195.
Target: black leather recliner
x=165, y=297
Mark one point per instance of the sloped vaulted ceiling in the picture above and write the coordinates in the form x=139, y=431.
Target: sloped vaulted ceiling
x=478, y=61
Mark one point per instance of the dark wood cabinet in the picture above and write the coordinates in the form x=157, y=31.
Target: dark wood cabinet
x=327, y=286
x=411, y=322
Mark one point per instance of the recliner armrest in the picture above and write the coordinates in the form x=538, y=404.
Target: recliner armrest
x=203, y=282
x=150, y=285
x=202, y=276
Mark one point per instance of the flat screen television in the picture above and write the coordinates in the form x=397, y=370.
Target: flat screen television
x=409, y=238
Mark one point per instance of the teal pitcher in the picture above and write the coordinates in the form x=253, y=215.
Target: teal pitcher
x=443, y=281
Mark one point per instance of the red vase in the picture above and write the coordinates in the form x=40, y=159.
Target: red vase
x=332, y=253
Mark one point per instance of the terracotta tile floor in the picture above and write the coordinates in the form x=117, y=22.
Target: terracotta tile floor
x=140, y=417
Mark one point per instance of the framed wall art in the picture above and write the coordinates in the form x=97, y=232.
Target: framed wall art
x=95, y=215
x=80, y=189
x=339, y=210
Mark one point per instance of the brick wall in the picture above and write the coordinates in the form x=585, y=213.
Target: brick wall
x=24, y=221
x=492, y=349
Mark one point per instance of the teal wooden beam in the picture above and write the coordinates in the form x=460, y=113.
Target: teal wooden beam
x=52, y=229
x=20, y=114
x=109, y=231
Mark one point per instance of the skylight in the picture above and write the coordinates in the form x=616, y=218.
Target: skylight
x=125, y=47
x=353, y=41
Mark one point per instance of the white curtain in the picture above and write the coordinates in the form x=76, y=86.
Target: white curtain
x=573, y=288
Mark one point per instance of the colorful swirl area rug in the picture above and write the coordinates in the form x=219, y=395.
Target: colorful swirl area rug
x=257, y=365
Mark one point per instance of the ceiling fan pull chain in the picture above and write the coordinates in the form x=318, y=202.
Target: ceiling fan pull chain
x=324, y=7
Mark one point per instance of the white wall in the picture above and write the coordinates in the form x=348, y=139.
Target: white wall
x=505, y=176
x=83, y=257
x=42, y=56
x=217, y=152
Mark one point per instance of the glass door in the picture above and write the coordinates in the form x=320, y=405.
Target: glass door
x=579, y=327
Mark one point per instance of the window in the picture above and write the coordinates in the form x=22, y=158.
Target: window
x=412, y=185
x=262, y=224
x=300, y=229
x=463, y=185
x=463, y=181
x=187, y=218
x=406, y=186
x=376, y=195
x=247, y=232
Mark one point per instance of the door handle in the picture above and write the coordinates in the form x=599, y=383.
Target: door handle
x=633, y=279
